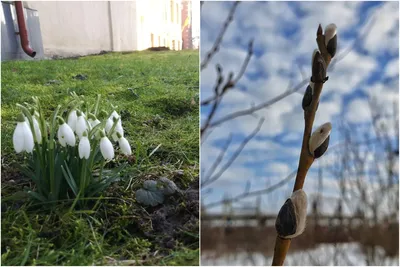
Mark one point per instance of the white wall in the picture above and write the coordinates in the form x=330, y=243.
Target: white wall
x=71, y=28
x=123, y=22
x=78, y=28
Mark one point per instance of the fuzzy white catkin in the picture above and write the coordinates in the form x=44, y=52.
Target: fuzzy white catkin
x=330, y=32
x=299, y=200
x=319, y=136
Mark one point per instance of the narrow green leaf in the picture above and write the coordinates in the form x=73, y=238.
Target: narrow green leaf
x=69, y=178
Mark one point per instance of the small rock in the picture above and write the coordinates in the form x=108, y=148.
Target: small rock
x=80, y=77
x=53, y=82
x=168, y=186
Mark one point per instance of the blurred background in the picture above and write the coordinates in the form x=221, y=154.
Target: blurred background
x=255, y=66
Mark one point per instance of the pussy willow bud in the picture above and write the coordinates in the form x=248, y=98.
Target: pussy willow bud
x=319, y=140
x=318, y=68
x=331, y=39
x=291, y=220
x=308, y=95
x=319, y=31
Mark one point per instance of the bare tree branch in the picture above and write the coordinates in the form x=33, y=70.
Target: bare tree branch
x=235, y=155
x=251, y=110
x=219, y=158
x=247, y=194
x=218, y=41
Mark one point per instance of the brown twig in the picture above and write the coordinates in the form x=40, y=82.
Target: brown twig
x=230, y=83
x=306, y=159
x=235, y=154
x=247, y=193
x=219, y=158
x=218, y=41
x=266, y=104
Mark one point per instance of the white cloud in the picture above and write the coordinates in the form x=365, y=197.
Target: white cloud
x=358, y=111
x=384, y=32
x=392, y=68
x=278, y=168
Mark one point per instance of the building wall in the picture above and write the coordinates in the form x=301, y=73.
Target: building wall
x=79, y=28
x=123, y=17
x=10, y=41
x=73, y=28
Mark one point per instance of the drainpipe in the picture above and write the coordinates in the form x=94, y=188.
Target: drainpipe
x=23, y=33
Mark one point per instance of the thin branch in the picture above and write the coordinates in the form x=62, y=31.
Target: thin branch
x=253, y=193
x=218, y=159
x=218, y=94
x=251, y=110
x=235, y=155
x=218, y=41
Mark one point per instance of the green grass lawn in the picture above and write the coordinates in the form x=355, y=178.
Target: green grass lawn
x=156, y=94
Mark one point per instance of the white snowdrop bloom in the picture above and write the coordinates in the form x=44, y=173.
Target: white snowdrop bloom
x=23, y=137
x=36, y=128
x=81, y=126
x=93, y=123
x=118, y=130
x=110, y=121
x=38, y=133
x=84, y=147
x=72, y=119
x=65, y=134
x=124, y=145
x=106, y=148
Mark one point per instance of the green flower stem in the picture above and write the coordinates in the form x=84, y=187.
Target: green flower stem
x=96, y=107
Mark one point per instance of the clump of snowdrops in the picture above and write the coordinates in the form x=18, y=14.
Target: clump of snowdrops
x=65, y=156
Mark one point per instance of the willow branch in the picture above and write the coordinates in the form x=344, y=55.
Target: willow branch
x=306, y=159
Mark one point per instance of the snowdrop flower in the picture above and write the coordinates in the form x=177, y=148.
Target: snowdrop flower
x=124, y=144
x=36, y=128
x=38, y=133
x=118, y=127
x=319, y=140
x=84, y=147
x=65, y=134
x=106, y=147
x=22, y=137
x=81, y=125
x=117, y=130
x=72, y=118
x=110, y=122
x=93, y=121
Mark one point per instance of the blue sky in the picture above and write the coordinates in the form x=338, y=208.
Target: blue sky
x=284, y=39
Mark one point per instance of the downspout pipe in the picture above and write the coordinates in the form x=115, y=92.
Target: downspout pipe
x=23, y=33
